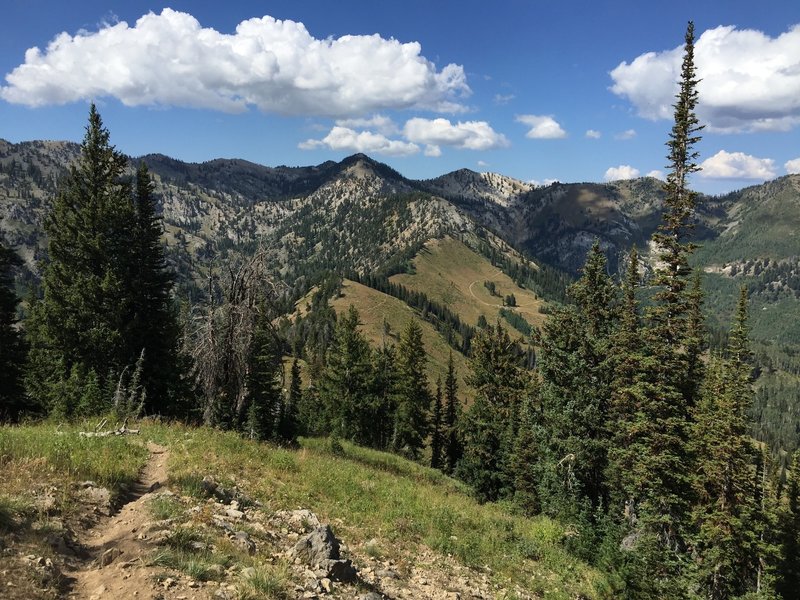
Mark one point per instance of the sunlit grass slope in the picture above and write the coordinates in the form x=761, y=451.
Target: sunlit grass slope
x=60, y=455
x=372, y=496
x=375, y=307
x=453, y=274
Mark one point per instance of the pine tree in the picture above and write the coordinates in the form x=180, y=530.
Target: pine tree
x=413, y=397
x=12, y=350
x=724, y=538
x=526, y=454
x=345, y=381
x=452, y=443
x=660, y=475
x=383, y=396
x=630, y=390
x=289, y=423
x=789, y=568
x=264, y=381
x=152, y=324
x=694, y=340
x=576, y=370
x=499, y=383
x=106, y=287
x=85, y=308
x=437, y=426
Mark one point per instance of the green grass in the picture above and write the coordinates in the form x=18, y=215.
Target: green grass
x=165, y=507
x=109, y=461
x=201, y=566
x=371, y=495
x=268, y=582
x=453, y=274
x=379, y=503
x=13, y=510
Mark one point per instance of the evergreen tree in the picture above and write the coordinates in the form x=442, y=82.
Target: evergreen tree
x=488, y=424
x=12, y=350
x=765, y=559
x=106, y=289
x=452, y=444
x=724, y=538
x=627, y=347
x=83, y=314
x=345, y=381
x=526, y=454
x=437, y=428
x=694, y=340
x=789, y=568
x=264, y=381
x=413, y=397
x=660, y=473
x=289, y=424
x=92, y=401
x=152, y=324
x=576, y=371
x=383, y=396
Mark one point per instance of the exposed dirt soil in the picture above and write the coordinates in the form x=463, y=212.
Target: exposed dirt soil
x=114, y=564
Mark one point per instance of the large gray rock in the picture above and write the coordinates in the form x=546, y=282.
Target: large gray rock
x=318, y=546
x=320, y=550
x=340, y=570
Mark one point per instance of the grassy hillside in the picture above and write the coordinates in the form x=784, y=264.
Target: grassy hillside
x=453, y=274
x=375, y=307
x=386, y=509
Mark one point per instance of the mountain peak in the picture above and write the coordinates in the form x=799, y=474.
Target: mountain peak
x=362, y=165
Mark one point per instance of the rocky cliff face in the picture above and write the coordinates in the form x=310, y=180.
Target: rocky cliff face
x=357, y=213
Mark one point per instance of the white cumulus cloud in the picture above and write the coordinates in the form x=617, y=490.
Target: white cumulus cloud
x=542, y=127
x=628, y=134
x=344, y=138
x=749, y=81
x=432, y=150
x=621, y=172
x=792, y=166
x=737, y=165
x=593, y=134
x=657, y=174
x=544, y=183
x=379, y=123
x=467, y=135
x=169, y=59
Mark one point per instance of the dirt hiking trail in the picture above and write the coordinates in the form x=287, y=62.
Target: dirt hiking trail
x=117, y=547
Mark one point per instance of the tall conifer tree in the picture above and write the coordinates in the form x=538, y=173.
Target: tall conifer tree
x=81, y=318
x=500, y=384
x=152, y=325
x=264, y=381
x=12, y=351
x=106, y=288
x=380, y=410
x=452, y=443
x=413, y=398
x=789, y=568
x=437, y=428
x=345, y=380
x=662, y=499
x=576, y=370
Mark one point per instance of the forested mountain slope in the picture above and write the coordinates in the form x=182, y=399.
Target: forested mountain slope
x=361, y=217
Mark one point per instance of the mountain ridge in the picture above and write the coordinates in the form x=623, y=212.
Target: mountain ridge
x=359, y=216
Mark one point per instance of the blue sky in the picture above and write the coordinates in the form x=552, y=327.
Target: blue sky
x=538, y=90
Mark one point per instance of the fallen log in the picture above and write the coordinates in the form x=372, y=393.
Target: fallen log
x=123, y=430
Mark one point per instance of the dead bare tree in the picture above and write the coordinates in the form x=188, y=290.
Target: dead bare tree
x=221, y=336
